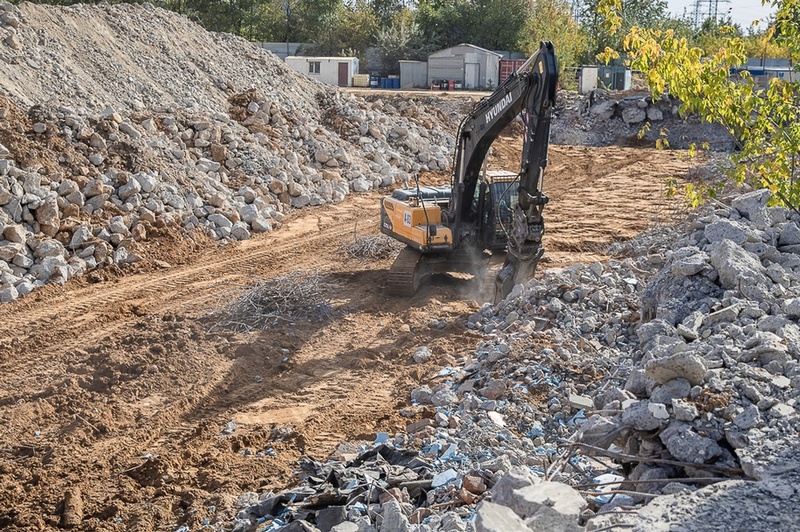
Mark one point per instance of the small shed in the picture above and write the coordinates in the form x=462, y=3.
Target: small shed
x=587, y=79
x=337, y=71
x=413, y=74
x=477, y=67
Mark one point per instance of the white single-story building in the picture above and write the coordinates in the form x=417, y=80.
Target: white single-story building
x=337, y=71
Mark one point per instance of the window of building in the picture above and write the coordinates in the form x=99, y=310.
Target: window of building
x=313, y=67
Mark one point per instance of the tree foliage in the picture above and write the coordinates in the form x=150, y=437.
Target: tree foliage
x=552, y=20
x=491, y=24
x=764, y=121
x=401, y=40
x=631, y=13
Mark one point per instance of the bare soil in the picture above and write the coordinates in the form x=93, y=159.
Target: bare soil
x=119, y=386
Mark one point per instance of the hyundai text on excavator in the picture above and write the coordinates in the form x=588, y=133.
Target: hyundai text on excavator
x=450, y=228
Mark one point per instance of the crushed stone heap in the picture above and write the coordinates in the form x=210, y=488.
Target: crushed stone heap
x=120, y=122
x=605, y=118
x=668, y=375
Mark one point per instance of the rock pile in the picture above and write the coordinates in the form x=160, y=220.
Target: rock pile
x=97, y=157
x=598, y=387
x=603, y=118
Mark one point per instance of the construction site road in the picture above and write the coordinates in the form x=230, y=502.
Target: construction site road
x=123, y=389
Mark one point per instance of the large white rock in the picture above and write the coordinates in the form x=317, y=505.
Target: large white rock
x=737, y=268
x=48, y=248
x=360, y=185
x=724, y=229
x=686, y=365
x=81, y=235
x=146, y=181
x=129, y=189
x=492, y=517
x=753, y=206
x=220, y=220
x=9, y=250
x=9, y=294
x=633, y=115
x=553, y=495
x=47, y=215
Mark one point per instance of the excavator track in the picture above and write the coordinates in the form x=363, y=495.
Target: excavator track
x=404, y=274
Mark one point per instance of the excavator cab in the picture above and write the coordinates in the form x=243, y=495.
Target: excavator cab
x=496, y=199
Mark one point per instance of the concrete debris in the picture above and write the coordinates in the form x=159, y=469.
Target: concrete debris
x=684, y=379
x=492, y=517
x=603, y=118
x=223, y=150
x=762, y=506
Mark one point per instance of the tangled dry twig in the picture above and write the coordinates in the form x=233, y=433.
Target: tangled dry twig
x=296, y=295
x=371, y=247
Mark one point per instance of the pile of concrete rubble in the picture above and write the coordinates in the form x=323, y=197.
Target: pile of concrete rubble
x=670, y=375
x=632, y=118
x=217, y=136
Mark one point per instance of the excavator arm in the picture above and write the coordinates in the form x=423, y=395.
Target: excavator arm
x=529, y=91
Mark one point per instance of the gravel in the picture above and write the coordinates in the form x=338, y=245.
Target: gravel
x=202, y=133
x=599, y=388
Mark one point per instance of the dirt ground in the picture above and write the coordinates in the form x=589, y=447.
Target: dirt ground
x=119, y=388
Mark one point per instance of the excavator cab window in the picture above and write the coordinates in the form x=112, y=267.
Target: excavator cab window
x=503, y=199
x=506, y=199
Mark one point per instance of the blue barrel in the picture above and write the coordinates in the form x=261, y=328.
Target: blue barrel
x=396, y=83
x=373, y=82
x=383, y=83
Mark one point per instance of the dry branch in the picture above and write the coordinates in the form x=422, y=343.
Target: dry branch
x=296, y=295
x=371, y=247
x=654, y=460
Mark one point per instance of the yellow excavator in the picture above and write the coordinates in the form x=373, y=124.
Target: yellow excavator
x=451, y=228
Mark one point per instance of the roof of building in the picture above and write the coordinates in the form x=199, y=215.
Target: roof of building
x=478, y=48
x=319, y=58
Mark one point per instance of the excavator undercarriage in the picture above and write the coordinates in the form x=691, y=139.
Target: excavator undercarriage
x=412, y=268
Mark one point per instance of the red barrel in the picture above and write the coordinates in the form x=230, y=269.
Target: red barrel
x=451, y=85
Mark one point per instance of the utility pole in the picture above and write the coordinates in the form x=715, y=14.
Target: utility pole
x=288, y=11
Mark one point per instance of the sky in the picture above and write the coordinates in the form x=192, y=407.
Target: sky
x=742, y=12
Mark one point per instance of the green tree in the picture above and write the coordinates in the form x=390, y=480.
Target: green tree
x=631, y=13
x=552, y=20
x=356, y=28
x=314, y=21
x=714, y=35
x=762, y=45
x=491, y=24
x=401, y=40
x=385, y=11
x=764, y=121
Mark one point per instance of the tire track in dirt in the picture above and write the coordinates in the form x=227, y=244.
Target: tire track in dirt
x=70, y=321
x=129, y=392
